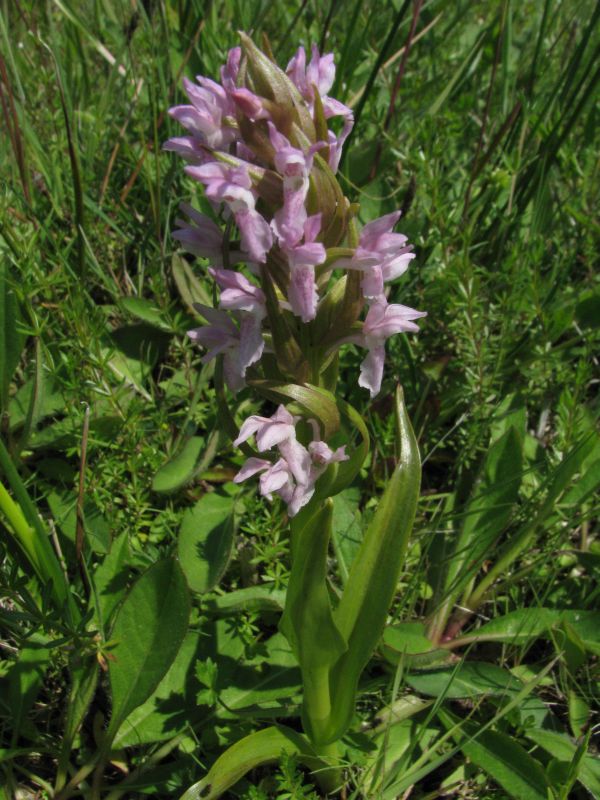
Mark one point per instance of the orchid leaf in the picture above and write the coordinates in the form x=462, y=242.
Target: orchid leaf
x=374, y=575
x=308, y=622
x=263, y=747
x=317, y=402
x=509, y=764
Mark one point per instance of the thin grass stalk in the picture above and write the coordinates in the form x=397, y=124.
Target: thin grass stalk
x=14, y=130
x=373, y=75
x=475, y=169
x=396, y=88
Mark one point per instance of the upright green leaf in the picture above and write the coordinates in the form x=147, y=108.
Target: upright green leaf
x=262, y=747
x=148, y=631
x=206, y=540
x=25, y=679
x=346, y=530
x=307, y=621
x=485, y=517
x=509, y=764
x=374, y=574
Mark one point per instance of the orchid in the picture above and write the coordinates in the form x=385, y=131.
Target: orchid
x=233, y=186
x=260, y=147
x=381, y=255
x=302, y=260
x=382, y=321
x=320, y=74
x=203, y=237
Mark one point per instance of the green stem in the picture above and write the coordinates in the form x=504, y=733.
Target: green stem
x=317, y=700
x=330, y=778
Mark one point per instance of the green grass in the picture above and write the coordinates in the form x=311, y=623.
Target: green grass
x=491, y=151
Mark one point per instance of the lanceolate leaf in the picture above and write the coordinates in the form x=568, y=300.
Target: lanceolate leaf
x=307, y=621
x=148, y=632
x=561, y=747
x=205, y=541
x=489, y=508
x=180, y=468
x=319, y=403
x=25, y=680
x=374, y=575
x=509, y=764
x=527, y=624
x=263, y=747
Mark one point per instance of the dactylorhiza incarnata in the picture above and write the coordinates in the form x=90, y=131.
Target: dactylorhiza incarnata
x=297, y=279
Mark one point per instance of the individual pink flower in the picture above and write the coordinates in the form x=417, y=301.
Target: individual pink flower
x=211, y=116
x=294, y=165
x=269, y=431
x=302, y=259
x=238, y=294
x=250, y=104
x=203, y=237
x=229, y=72
x=241, y=347
x=382, y=321
x=233, y=186
x=381, y=255
x=189, y=148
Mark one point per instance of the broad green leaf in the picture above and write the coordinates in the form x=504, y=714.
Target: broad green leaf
x=560, y=746
x=132, y=351
x=192, y=458
x=407, y=641
x=263, y=747
x=180, y=468
x=373, y=578
x=487, y=512
x=272, y=676
x=63, y=506
x=527, y=624
x=205, y=540
x=149, y=629
x=406, y=637
x=509, y=764
x=11, y=340
x=346, y=529
x=144, y=310
x=171, y=707
x=25, y=679
x=307, y=620
x=467, y=679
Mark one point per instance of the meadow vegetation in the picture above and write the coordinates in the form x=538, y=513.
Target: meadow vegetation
x=479, y=120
